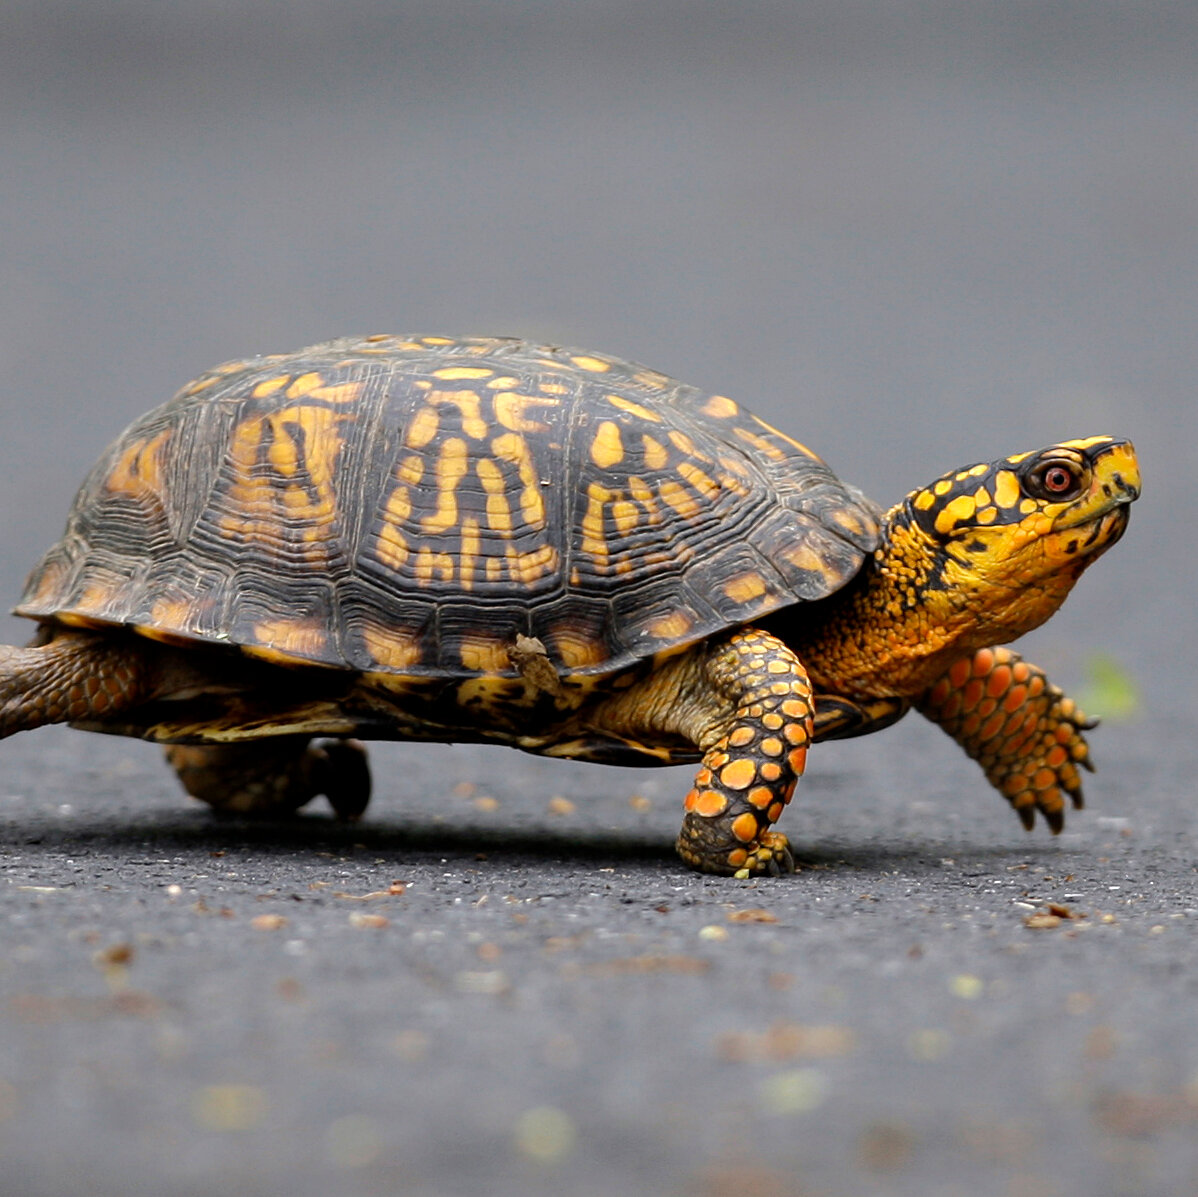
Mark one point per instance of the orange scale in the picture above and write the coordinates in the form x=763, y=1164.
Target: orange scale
x=999, y=680
x=742, y=736
x=1043, y=779
x=983, y=662
x=1064, y=733
x=986, y=707
x=738, y=774
x=737, y=857
x=1015, y=699
x=710, y=804
x=744, y=827
x=1016, y=746
x=1021, y=671
x=958, y=675
x=794, y=709
x=1056, y=756
x=760, y=797
x=780, y=688
x=972, y=694
x=794, y=734
x=772, y=721
x=691, y=800
x=796, y=758
x=992, y=726
x=771, y=746
x=939, y=692
x=770, y=771
x=775, y=812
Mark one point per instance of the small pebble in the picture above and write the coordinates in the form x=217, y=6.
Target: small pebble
x=966, y=985
x=545, y=1134
x=229, y=1107
x=793, y=1092
x=354, y=1141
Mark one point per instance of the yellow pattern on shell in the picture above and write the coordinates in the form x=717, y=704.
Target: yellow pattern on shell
x=392, y=648
x=516, y=411
x=635, y=409
x=721, y=407
x=484, y=654
x=593, y=364
x=746, y=587
x=607, y=449
x=452, y=372
x=138, y=470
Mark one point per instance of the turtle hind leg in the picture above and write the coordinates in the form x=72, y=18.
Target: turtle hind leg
x=275, y=775
x=68, y=677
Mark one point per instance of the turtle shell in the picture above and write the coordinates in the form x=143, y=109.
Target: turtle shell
x=411, y=505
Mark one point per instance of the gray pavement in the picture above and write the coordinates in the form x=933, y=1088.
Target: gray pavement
x=915, y=236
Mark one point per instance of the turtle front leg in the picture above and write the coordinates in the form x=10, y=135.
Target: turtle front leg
x=759, y=724
x=745, y=703
x=1018, y=726
x=274, y=776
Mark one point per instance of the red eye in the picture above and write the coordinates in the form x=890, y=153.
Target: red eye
x=1057, y=480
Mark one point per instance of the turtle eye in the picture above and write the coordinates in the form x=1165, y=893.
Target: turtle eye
x=1056, y=478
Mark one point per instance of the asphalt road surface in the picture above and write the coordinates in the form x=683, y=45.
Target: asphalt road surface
x=915, y=238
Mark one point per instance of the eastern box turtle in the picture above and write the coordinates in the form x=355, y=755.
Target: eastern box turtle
x=483, y=539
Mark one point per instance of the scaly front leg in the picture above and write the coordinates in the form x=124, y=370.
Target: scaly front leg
x=757, y=716
x=1018, y=726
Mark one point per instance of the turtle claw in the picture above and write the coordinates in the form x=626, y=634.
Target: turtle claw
x=771, y=856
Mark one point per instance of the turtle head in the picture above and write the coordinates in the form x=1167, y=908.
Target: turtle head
x=1006, y=541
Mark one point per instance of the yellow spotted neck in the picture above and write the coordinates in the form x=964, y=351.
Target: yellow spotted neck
x=915, y=609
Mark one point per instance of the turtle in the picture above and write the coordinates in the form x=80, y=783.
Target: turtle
x=485, y=539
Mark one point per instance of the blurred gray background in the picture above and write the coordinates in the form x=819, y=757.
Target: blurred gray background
x=916, y=234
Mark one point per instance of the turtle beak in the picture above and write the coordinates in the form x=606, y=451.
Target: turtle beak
x=1115, y=471
x=1115, y=483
